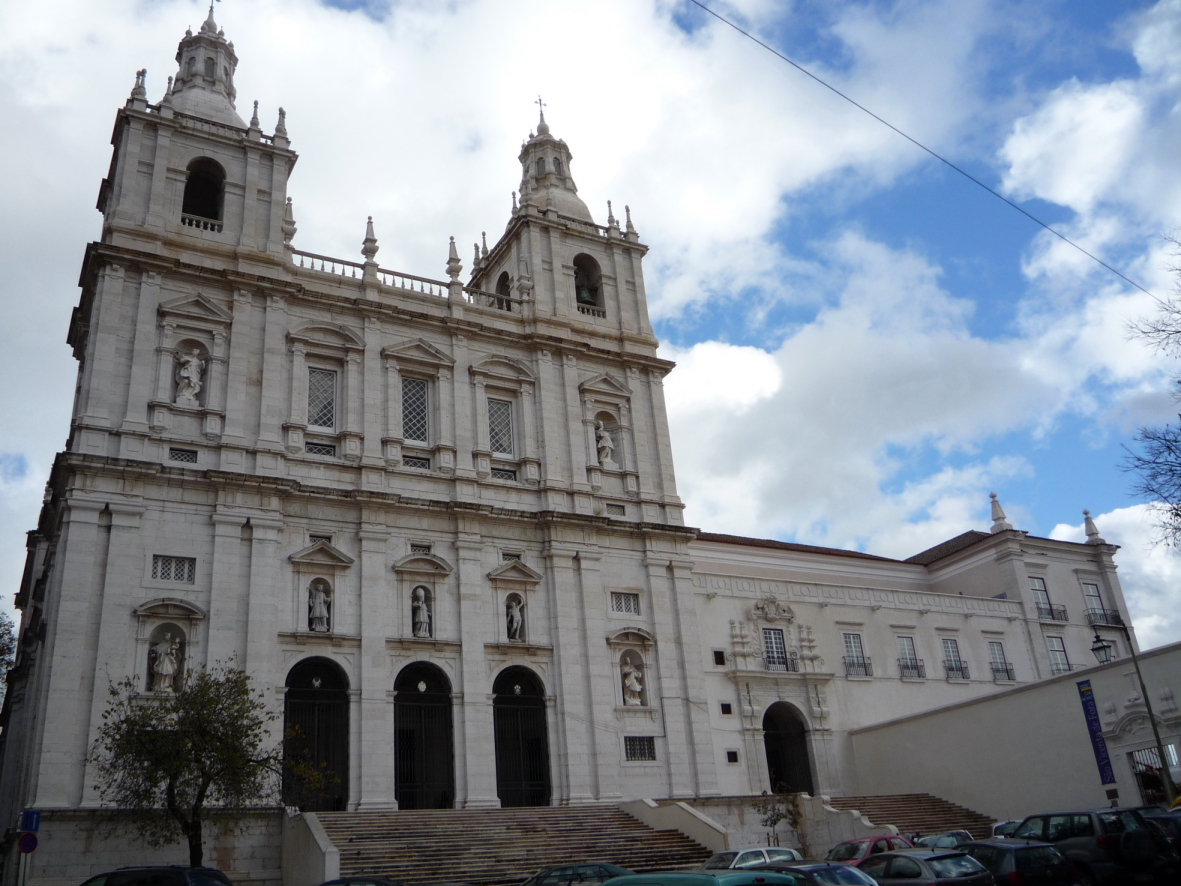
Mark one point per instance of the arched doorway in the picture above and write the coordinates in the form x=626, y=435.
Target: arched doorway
x=785, y=737
x=522, y=742
x=423, y=744
x=316, y=735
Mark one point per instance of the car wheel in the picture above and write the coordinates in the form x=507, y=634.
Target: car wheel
x=1086, y=877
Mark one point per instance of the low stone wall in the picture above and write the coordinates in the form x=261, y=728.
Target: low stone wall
x=74, y=844
x=822, y=829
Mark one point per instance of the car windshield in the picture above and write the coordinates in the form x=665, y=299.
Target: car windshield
x=955, y=866
x=845, y=851
x=720, y=861
x=843, y=877
x=1003, y=830
x=1037, y=858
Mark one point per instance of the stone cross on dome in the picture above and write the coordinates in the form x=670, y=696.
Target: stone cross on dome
x=542, y=126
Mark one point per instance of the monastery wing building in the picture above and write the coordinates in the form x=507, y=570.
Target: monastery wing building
x=437, y=521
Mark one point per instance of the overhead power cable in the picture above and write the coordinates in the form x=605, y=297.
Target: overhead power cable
x=919, y=144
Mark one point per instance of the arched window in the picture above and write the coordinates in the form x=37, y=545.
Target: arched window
x=204, y=189
x=210, y=68
x=423, y=738
x=588, y=285
x=316, y=735
x=540, y=166
x=557, y=166
x=504, y=288
x=522, y=741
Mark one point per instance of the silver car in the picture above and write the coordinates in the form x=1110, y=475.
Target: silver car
x=735, y=859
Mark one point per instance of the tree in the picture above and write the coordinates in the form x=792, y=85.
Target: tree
x=164, y=759
x=7, y=651
x=1158, y=463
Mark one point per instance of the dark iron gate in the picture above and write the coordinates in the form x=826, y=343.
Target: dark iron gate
x=316, y=735
x=1147, y=768
x=522, y=743
x=423, y=740
x=785, y=738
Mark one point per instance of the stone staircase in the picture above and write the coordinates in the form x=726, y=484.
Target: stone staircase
x=921, y=813
x=497, y=847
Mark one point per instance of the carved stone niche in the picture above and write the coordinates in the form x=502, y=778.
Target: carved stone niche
x=606, y=408
x=512, y=584
x=633, y=649
x=191, y=327
x=420, y=578
x=318, y=570
x=175, y=623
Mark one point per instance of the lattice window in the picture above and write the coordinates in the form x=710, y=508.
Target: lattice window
x=415, y=425
x=774, y=649
x=500, y=427
x=639, y=747
x=503, y=474
x=181, y=569
x=188, y=456
x=1038, y=586
x=314, y=537
x=996, y=653
x=853, y=647
x=626, y=603
x=322, y=399
x=319, y=449
x=616, y=511
x=951, y=651
x=509, y=556
x=419, y=548
x=416, y=461
x=1059, y=663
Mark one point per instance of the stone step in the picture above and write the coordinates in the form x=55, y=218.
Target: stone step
x=922, y=813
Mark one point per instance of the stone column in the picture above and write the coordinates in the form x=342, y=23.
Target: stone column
x=680, y=753
x=139, y=391
x=239, y=369
x=688, y=654
x=601, y=677
x=375, y=763
x=165, y=362
x=226, y=594
x=371, y=407
x=259, y=658
x=156, y=197
x=474, y=732
x=274, y=355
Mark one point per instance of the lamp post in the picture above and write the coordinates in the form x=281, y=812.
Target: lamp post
x=1103, y=650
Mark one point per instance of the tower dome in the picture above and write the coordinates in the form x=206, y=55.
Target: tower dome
x=546, y=181
x=204, y=84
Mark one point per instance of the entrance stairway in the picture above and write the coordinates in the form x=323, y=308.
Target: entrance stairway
x=917, y=813
x=496, y=847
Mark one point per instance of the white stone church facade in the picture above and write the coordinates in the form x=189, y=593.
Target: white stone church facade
x=438, y=521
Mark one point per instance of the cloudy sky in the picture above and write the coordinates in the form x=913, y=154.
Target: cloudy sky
x=868, y=343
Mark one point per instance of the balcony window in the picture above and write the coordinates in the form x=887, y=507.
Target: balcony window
x=775, y=653
x=1059, y=663
x=909, y=664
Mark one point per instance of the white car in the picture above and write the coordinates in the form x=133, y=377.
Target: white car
x=734, y=859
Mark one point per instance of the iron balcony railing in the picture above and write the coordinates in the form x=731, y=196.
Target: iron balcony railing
x=956, y=670
x=912, y=667
x=1060, y=667
x=1104, y=617
x=1002, y=671
x=779, y=663
x=858, y=667
x=1050, y=612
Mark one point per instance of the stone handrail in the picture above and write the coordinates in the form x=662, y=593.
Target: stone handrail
x=679, y=817
x=309, y=858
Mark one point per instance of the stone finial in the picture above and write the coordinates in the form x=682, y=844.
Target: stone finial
x=611, y=221
x=627, y=211
x=140, y=90
x=1093, y=536
x=369, y=245
x=454, y=266
x=476, y=255
x=166, y=102
x=289, y=228
x=254, y=124
x=514, y=202
x=999, y=524
x=484, y=241
x=281, y=126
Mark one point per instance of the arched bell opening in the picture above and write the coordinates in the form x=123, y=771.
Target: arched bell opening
x=204, y=189
x=424, y=755
x=316, y=737
x=786, y=740
x=588, y=281
x=522, y=740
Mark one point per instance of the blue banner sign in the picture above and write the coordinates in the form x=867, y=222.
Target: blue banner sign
x=1095, y=728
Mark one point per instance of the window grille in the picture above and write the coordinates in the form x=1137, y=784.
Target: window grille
x=627, y=603
x=189, y=456
x=639, y=747
x=322, y=399
x=419, y=549
x=616, y=510
x=503, y=474
x=500, y=427
x=313, y=538
x=775, y=651
x=182, y=569
x=509, y=556
x=727, y=709
x=416, y=461
x=414, y=410
x=319, y=449
x=1059, y=663
x=731, y=756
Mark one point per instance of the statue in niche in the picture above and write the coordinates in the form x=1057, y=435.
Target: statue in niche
x=515, y=618
x=318, y=607
x=164, y=662
x=189, y=368
x=421, y=611
x=633, y=689
x=605, y=444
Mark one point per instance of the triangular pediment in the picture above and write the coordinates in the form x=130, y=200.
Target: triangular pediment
x=170, y=607
x=322, y=554
x=515, y=570
x=605, y=384
x=417, y=351
x=423, y=564
x=196, y=307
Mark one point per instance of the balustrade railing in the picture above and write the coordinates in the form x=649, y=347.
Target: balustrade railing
x=782, y=663
x=857, y=667
x=200, y=223
x=1050, y=612
x=1104, y=617
x=591, y=311
x=956, y=670
x=328, y=265
x=912, y=667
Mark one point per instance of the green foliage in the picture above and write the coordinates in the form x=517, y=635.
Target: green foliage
x=165, y=758
x=7, y=651
x=779, y=807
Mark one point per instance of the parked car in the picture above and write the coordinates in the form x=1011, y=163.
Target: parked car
x=1027, y=863
x=1106, y=845
x=928, y=866
x=946, y=840
x=1005, y=828
x=583, y=872
x=821, y=874
x=853, y=851
x=749, y=858
x=362, y=881
x=160, y=875
x=741, y=877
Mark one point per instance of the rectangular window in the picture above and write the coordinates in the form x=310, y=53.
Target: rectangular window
x=951, y=651
x=415, y=424
x=1001, y=669
x=419, y=548
x=503, y=474
x=720, y=658
x=853, y=648
x=508, y=556
x=182, y=569
x=414, y=461
x=322, y=398
x=1091, y=592
x=774, y=650
x=952, y=663
x=909, y=664
x=319, y=449
x=500, y=426
x=315, y=537
x=626, y=603
x=616, y=511
x=1038, y=586
x=188, y=456
x=1059, y=663
x=906, y=649
x=727, y=709
x=731, y=756
x=639, y=747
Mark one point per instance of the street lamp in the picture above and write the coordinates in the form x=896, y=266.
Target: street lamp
x=1103, y=650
